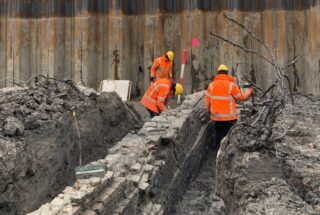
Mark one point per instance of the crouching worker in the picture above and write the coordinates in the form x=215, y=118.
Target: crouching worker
x=158, y=95
x=220, y=102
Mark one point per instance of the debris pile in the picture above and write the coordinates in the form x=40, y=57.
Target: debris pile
x=38, y=141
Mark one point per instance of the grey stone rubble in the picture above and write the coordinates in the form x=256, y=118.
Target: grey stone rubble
x=147, y=172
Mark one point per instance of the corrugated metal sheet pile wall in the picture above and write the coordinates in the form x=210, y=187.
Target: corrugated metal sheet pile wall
x=94, y=40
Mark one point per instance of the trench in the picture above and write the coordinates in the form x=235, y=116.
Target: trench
x=38, y=160
x=167, y=168
x=199, y=197
x=179, y=170
x=192, y=187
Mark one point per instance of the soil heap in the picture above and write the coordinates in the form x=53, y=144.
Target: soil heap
x=279, y=177
x=38, y=140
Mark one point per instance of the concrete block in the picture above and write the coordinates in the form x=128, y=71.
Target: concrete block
x=98, y=207
x=13, y=126
x=68, y=190
x=89, y=212
x=159, y=163
x=77, y=197
x=56, y=203
x=143, y=186
x=84, y=187
x=148, y=130
x=108, y=175
x=168, y=137
x=67, y=210
x=153, y=139
x=156, y=208
x=147, y=209
x=163, y=125
x=136, y=168
x=148, y=168
x=151, y=124
x=135, y=179
x=177, y=124
x=55, y=211
x=45, y=209
x=129, y=205
x=94, y=181
x=67, y=199
x=35, y=213
x=113, y=195
x=113, y=159
x=102, y=161
x=186, y=112
x=160, y=119
x=145, y=177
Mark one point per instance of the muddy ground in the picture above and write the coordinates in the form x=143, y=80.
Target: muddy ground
x=199, y=197
x=281, y=177
x=39, y=143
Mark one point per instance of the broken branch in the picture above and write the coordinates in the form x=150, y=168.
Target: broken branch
x=242, y=47
x=247, y=30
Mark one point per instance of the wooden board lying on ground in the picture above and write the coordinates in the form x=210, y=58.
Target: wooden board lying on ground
x=122, y=87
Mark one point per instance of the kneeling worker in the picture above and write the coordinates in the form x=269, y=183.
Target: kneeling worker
x=220, y=102
x=158, y=95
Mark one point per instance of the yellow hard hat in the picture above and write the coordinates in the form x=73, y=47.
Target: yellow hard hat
x=179, y=89
x=223, y=67
x=170, y=55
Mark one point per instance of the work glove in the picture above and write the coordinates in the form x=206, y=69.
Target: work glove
x=250, y=90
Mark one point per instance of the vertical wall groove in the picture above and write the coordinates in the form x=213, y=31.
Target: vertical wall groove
x=92, y=40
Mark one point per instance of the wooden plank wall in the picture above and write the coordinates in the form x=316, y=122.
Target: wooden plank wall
x=92, y=40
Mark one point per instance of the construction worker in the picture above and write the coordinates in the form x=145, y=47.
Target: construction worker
x=220, y=102
x=162, y=67
x=158, y=94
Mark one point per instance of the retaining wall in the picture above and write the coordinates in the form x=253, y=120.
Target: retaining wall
x=147, y=172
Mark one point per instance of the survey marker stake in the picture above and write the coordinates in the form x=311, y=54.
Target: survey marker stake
x=183, y=61
x=88, y=170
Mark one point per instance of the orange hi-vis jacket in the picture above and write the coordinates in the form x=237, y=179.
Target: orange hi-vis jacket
x=221, y=96
x=161, y=68
x=157, y=96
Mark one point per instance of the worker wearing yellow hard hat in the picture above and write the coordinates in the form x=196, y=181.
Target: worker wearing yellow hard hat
x=158, y=95
x=162, y=67
x=220, y=102
x=223, y=67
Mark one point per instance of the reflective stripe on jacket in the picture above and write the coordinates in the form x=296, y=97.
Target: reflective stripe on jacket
x=221, y=96
x=157, y=95
x=161, y=68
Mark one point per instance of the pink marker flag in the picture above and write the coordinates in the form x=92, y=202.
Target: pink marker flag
x=195, y=42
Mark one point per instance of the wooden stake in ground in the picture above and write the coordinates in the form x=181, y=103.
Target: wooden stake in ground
x=183, y=61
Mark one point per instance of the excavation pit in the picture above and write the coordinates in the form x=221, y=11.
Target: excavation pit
x=167, y=168
x=147, y=172
x=39, y=142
